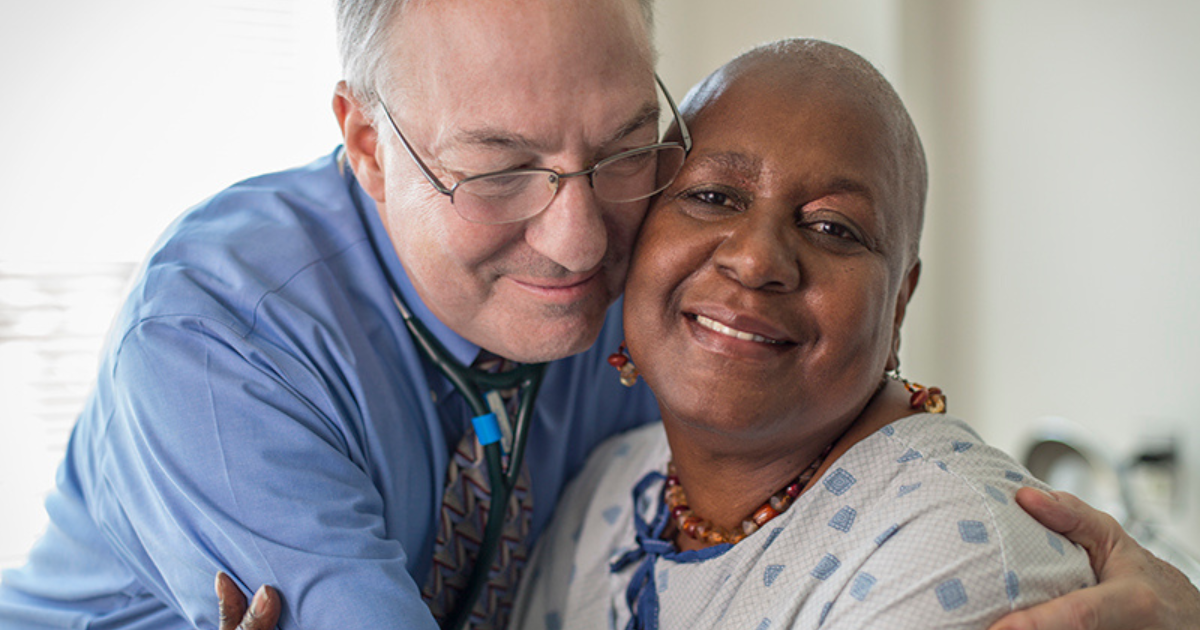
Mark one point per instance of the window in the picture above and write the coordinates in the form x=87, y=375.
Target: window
x=118, y=116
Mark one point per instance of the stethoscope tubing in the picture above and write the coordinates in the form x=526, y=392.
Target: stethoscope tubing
x=502, y=483
x=472, y=384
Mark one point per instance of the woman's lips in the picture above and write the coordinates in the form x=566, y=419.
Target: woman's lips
x=730, y=331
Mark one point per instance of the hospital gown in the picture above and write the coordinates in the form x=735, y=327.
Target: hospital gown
x=913, y=527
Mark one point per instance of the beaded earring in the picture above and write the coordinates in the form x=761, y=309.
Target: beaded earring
x=928, y=399
x=620, y=360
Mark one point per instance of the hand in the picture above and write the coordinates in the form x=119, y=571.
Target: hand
x=262, y=614
x=1137, y=591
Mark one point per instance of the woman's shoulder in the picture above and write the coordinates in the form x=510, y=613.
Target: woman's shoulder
x=645, y=444
x=615, y=467
x=941, y=452
x=922, y=520
x=946, y=444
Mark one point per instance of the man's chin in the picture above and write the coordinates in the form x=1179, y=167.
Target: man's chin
x=549, y=345
x=539, y=330
x=543, y=339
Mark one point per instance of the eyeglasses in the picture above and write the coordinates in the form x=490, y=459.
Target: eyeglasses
x=522, y=193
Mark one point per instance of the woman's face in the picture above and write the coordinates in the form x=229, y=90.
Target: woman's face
x=770, y=279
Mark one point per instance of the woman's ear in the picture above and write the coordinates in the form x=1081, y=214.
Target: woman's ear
x=907, y=287
x=361, y=140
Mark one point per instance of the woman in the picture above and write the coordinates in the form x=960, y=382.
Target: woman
x=792, y=483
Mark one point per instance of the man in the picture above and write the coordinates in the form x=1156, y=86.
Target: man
x=262, y=409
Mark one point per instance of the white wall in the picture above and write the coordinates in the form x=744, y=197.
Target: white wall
x=1079, y=265
x=694, y=37
x=119, y=115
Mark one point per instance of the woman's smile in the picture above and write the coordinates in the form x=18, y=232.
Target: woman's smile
x=730, y=331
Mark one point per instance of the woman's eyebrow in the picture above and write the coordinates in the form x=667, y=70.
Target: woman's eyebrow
x=845, y=185
x=740, y=163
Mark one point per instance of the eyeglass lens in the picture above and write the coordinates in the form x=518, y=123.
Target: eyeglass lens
x=518, y=195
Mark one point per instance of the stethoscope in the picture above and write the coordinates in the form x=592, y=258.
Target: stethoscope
x=492, y=428
x=481, y=391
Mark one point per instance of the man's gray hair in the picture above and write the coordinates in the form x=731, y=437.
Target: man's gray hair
x=362, y=36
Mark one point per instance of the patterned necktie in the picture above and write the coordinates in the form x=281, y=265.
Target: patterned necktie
x=462, y=524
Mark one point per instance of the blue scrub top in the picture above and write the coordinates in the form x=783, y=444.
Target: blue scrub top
x=261, y=409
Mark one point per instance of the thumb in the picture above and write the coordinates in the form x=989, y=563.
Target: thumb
x=1079, y=610
x=1084, y=525
x=231, y=603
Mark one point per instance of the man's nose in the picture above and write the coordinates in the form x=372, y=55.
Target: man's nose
x=571, y=230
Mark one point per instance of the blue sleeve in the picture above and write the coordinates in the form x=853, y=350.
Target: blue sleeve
x=214, y=460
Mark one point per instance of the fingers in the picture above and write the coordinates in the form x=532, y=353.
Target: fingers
x=264, y=610
x=1075, y=611
x=231, y=604
x=261, y=614
x=1137, y=591
x=1064, y=513
x=1116, y=605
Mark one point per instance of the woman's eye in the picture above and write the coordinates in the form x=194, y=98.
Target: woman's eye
x=711, y=197
x=708, y=203
x=833, y=229
x=836, y=230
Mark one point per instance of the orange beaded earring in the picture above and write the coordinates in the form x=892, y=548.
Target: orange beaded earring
x=620, y=360
x=921, y=398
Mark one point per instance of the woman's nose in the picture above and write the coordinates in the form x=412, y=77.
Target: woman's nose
x=760, y=253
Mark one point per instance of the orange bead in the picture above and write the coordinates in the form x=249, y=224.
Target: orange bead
x=764, y=514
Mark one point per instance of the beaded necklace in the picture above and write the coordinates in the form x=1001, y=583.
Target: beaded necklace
x=705, y=530
x=928, y=399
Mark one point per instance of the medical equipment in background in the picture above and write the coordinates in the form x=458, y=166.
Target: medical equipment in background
x=1143, y=489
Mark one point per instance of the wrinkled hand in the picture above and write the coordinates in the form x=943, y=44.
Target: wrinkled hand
x=262, y=614
x=1137, y=591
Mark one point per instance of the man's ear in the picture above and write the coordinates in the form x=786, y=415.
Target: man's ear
x=363, y=148
x=907, y=287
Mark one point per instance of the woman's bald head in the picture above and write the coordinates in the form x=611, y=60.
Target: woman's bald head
x=800, y=68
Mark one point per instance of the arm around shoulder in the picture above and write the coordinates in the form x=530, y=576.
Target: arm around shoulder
x=213, y=461
x=1137, y=591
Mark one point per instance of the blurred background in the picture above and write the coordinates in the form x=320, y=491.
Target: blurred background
x=1059, y=305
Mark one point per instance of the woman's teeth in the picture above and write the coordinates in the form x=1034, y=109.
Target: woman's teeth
x=716, y=326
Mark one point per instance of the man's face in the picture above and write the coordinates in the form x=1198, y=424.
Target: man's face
x=486, y=85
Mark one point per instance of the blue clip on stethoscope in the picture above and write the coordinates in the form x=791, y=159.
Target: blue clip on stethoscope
x=480, y=389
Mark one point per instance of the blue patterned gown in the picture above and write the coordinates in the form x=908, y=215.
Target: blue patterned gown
x=914, y=527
